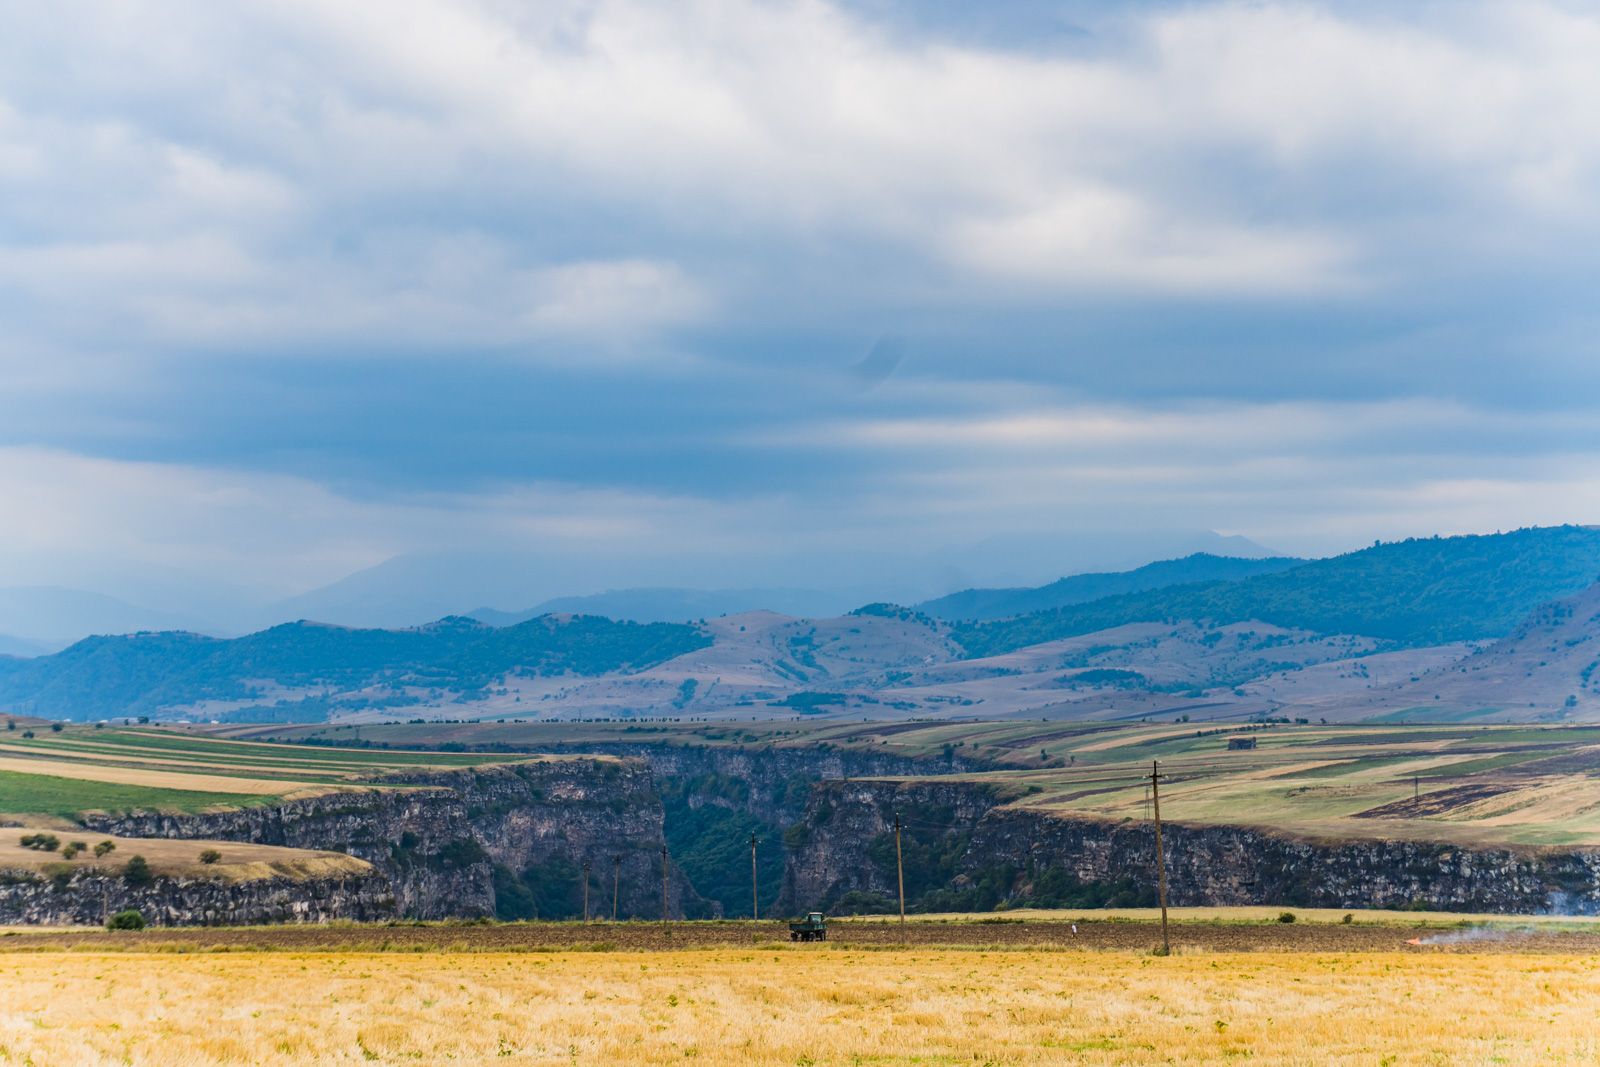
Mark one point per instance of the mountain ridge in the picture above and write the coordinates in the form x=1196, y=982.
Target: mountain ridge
x=980, y=604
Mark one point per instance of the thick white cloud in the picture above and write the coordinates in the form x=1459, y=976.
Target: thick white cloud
x=699, y=190
x=304, y=168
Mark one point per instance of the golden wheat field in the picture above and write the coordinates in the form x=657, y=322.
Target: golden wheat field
x=790, y=1007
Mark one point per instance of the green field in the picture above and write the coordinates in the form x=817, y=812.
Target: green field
x=40, y=794
x=79, y=768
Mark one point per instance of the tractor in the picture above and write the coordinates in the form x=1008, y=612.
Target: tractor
x=814, y=927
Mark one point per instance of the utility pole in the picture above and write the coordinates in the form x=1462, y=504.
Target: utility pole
x=900, y=872
x=755, y=893
x=1416, y=787
x=1161, y=856
x=616, y=884
x=585, y=890
x=663, y=885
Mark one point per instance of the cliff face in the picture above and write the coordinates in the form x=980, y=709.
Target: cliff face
x=419, y=841
x=778, y=780
x=87, y=897
x=436, y=837
x=964, y=850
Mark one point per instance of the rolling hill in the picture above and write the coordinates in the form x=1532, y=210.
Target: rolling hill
x=1412, y=593
x=981, y=604
x=290, y=670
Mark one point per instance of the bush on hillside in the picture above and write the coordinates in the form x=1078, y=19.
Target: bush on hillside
x=137, y=872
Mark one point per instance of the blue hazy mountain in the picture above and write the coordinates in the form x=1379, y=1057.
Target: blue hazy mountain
x=981, y=604
x=679, y=605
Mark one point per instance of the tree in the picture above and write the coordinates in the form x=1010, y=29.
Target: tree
x=104, y=848
x=137, y=872
x=210, y=856
x=130, y=919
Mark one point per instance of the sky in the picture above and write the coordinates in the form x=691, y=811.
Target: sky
x=792, y=294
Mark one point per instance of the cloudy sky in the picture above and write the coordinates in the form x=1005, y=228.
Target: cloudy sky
x=785, y=293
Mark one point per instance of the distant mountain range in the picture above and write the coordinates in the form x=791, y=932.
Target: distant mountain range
x=146, y=673
x=1247, y=635
x=677, y=605
x=1414, y=592
x=979, y=604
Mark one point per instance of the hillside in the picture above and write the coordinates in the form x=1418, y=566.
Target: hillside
x=1413, y=593
x=981, y=604
x=285, y=672
x=1550, y=663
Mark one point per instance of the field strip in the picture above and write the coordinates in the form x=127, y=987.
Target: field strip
x=194, y=783
x=133, y=759
x=257, y=751
x=198, y=741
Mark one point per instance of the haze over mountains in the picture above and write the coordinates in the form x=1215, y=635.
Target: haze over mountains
x=1402, y=629
x=505, y=584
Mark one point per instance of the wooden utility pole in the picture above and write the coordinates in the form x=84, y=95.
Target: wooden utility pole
x=664, y=885
x=616, y=884
x=755, y=892
x=1161, y=856
x=585, y=890
x=900, y=871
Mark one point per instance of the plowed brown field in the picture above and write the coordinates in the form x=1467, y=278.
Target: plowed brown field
x=1114, y=936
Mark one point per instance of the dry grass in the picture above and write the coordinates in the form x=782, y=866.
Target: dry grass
x=797, y=1007
x=158, y=779
x=240, y=862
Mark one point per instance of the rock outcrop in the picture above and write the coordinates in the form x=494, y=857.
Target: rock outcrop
x=34, y=897
x=436, y=836
x=963, y=836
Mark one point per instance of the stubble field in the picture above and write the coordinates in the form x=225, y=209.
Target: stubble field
x=790, y=1006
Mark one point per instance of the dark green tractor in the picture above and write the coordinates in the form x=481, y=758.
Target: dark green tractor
x=814, y=927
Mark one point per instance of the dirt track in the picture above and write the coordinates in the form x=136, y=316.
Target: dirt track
x=1091, y=936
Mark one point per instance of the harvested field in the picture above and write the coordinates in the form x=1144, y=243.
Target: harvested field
x=153, y=778
x=814, y=1006
x=237, y=861
x=1057, y=936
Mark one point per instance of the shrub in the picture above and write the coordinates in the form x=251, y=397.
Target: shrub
x=210, y=856
x=27, y=735
x=55, y=728
x=1286, y=916
x=72, y=849
x=41, y=842
x=1348, y=919
x=137, y=872
x=130, y=919
x=104, y=848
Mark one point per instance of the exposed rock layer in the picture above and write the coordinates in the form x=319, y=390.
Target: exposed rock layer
x=34, y=898
x=1206, y=865
x=435, y=836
